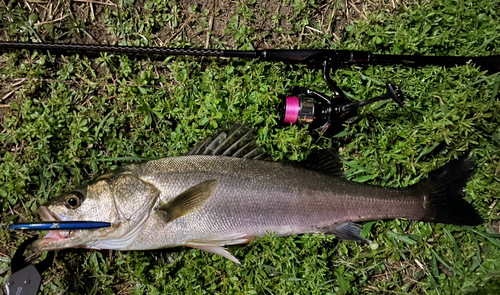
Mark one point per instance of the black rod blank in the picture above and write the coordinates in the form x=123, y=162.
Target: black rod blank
x=314, y=57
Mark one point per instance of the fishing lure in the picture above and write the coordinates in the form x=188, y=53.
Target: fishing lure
x=59, y=225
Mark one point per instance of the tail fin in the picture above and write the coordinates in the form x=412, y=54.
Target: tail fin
x=443, y=191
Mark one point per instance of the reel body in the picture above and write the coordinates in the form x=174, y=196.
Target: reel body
x=327, y=114
x=306, y=107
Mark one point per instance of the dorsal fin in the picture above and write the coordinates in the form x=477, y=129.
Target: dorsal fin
x=324, y=161
x=237, y=141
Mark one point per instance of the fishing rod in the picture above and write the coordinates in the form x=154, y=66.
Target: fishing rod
x=304, y=106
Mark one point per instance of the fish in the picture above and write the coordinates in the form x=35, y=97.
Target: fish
x=226, y=192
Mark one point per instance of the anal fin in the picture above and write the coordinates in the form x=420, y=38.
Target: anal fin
x=349, y=231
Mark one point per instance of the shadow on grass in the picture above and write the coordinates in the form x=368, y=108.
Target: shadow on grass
x=492, y=286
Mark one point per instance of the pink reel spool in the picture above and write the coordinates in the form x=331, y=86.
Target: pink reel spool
x=292, y=108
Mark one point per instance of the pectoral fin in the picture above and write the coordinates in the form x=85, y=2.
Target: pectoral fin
x=349, y=231
x=188, y=201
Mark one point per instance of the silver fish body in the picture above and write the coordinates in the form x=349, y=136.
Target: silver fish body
x=256, y=197
x=208, y=201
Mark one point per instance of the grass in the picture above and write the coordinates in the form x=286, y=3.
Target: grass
x=74, y=117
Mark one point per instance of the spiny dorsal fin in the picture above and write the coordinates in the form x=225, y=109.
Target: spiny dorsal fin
x=237, y=141
x=188, y=201
x=324, y=161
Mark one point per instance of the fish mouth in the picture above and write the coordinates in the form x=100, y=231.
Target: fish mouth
x=53, y=237
x=47, y=215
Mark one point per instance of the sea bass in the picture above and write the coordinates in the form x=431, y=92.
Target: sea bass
x=222, y=194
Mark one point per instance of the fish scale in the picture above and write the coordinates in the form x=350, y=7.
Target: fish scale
x=251, y=202
x=206, y=200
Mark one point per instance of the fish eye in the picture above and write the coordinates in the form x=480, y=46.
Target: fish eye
x=74, y=200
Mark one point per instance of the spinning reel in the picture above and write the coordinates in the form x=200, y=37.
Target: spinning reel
x=327, y=114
